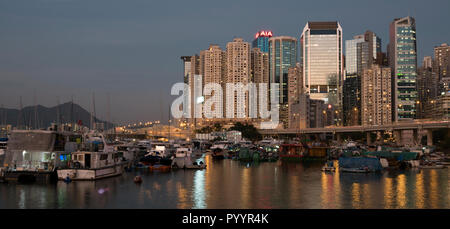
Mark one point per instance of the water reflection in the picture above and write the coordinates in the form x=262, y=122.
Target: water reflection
x=231, y=184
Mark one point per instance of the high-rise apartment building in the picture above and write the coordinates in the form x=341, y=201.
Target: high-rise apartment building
x=298, y=100
x=427, y=89
x=323, y=65
x=361, y=52
x=261, y=40
x=214, y=69
x=442, y=60
x=260, y=73
x=376, y=96
x=238, y=70
x=402, y=57
x=282, y=56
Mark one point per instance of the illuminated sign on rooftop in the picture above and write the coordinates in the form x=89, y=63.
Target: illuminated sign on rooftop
x=263, y=33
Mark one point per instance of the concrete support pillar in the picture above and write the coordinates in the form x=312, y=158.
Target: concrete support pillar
x=368, y=138
x=317, y=136
x=429, y=137
x=380, y=136
x=398, y=137
x=338, y=137
x=416, y=137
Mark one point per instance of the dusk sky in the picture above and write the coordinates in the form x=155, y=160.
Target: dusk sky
x=131, y=48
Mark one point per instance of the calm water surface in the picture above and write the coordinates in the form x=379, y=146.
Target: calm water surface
x=231, y=184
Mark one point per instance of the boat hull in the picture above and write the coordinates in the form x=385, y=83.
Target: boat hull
x=91, y=174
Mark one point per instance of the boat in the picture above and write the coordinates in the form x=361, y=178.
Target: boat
x=195, y=165
x=183, y=152
x=355, y=170
x=217, y=153
x=328, y=167
x=159, y=167
x=432, y=166
x=95, y=161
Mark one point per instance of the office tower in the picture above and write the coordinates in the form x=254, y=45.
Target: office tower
x=238, y=71
x=402, y=57
x=376, y=96
x=261, y=40
x=442, y=60
x=282, y=56
x=322, y=59
x=214, y=66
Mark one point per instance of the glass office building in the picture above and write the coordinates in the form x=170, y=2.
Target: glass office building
x=321, y=54
x=402, y=57
x=282, y=56
x=261, y=40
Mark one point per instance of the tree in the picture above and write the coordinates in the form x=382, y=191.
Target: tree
x=248, y=131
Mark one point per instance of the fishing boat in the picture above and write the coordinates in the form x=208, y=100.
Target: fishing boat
x=95, y=161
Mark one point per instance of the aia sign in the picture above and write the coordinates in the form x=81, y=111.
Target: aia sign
x=263, y=33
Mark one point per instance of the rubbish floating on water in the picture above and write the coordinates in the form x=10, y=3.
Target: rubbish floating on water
x=137, y=179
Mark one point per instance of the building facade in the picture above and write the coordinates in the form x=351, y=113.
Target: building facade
x=238, y=70
x=282, y=56
x=402, y=55
x=322, y=59
x=261, y=40
x=376, y=96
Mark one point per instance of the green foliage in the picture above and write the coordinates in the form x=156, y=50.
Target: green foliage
x=248, y=131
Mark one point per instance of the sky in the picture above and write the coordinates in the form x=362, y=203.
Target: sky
x=53, y=50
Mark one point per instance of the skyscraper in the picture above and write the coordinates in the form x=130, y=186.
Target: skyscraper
x=260, y=72
x=214, y=72
x=402, y=57
x=323, y=66
x=238, y=71
x=442, y=60
x=282, y=56
x=261, y=40
x=360, y=53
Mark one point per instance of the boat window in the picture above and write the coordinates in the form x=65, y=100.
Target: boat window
x=103, y=157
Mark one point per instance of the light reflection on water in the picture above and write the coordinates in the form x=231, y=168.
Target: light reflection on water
x=231, y=184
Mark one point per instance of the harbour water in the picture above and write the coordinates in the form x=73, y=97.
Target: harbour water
x=232, y=184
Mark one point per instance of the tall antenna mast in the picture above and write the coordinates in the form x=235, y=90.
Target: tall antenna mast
x=20, y=117
x=93, y=125
x=36, y=122
x=71, y=112
x=58, y=120
x=108, y=112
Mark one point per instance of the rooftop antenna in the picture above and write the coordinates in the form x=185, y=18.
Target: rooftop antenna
x=20, y=116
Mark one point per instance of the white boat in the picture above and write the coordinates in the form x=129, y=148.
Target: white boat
x=92, y=166
x=183, y=152
x=96, y=160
